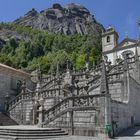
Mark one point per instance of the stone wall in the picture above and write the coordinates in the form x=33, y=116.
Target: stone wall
x=84, y=122
x=23, y=112
x=121, y=116
x=116, y=90
x=125, y=114
x=9, y=78
x=134, y=99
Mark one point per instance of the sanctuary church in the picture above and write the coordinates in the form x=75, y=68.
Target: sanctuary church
x=113, y=50
x=101, y=100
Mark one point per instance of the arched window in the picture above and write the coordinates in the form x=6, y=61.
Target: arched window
x=108, y=39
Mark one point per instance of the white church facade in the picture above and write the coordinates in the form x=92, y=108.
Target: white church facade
x=113, y=50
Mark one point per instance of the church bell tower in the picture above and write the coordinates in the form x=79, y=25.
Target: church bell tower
x=109, y=39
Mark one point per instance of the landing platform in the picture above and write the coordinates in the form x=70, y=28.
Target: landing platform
x=25, y=127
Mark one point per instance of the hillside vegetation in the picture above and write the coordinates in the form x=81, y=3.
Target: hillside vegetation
x=29, y=48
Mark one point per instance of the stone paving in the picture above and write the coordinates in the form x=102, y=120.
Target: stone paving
x=78, y=138
x=131, y=134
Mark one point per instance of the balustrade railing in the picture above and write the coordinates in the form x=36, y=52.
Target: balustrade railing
x=20, y=97
x=113, y=73
x=49, y=83
x=75, y=103
x=57, y=92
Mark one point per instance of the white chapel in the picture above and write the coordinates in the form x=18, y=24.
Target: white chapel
x=113, y=50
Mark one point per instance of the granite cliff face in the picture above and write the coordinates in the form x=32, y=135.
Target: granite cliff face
x=68, y=20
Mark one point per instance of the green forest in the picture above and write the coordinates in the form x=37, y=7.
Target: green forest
x=38, y=48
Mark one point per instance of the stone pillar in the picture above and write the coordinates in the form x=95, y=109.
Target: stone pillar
x=36, y=104
x=126, y=76
x=72, y=88
x=40, y=118
x=41, y=109
x=34, y=122
x=104, y=89
x=71, y=119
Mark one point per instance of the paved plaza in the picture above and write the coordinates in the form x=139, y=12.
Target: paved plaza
x=131, y=134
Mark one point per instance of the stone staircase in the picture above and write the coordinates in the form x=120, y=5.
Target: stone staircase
x=26, y=132
x=6, y=120
x=76, y=103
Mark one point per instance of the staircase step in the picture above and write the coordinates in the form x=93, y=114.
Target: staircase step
x=28, y=138
x=30, y=132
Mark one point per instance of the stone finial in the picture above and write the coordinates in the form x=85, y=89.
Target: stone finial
x=126, y=55
x=109, y=28
x=57, y=70
x=87, y=60
x=68, y=66
x=23, y=87
x=104, y=82
x=38, y=87
x=39, y=75
x=106, y=59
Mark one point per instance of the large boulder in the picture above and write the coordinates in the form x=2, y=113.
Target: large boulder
x=72, y=19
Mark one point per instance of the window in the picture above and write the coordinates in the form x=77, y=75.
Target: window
x=108, y=39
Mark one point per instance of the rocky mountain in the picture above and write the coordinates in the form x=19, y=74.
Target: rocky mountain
x=68, y=20
x=8, y=33
x=51, y=37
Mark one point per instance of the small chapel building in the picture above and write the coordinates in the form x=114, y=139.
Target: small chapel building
x=113, y=50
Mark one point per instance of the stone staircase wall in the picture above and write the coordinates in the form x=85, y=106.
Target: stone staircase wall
x=84, y=122
x=22, y=112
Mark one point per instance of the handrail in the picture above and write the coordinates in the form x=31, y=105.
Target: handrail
x=74, y=97
x=74, y=103
x=48, y=82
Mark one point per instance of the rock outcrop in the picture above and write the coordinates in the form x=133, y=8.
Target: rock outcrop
x=69, y=20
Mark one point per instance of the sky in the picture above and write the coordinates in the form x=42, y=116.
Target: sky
x=123, y=15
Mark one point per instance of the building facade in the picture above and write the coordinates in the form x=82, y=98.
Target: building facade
x=10, y=83
x=113, y=50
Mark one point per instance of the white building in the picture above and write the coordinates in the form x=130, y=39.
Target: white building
x=112, y=49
